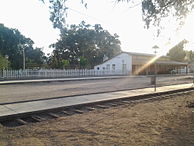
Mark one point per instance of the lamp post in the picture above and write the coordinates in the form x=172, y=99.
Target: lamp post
x=155, y=67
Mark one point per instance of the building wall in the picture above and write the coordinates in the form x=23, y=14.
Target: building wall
x=139, y=64
x=191, y=67
x=140, y=59
x=121, y=62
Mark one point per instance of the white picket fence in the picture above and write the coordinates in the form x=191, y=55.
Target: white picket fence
x=30, y=74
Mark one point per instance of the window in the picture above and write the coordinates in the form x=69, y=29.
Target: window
x=108, y=67
x=124, y=67
x=98, y=68
x=113, y=66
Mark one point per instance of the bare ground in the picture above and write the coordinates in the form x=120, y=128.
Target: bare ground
x=164, y=122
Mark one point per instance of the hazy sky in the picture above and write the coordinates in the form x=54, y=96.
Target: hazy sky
x=31, y=18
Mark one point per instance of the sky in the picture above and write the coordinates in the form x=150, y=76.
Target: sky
x=31, y=18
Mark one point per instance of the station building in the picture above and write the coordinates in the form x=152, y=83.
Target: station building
x=141, y=64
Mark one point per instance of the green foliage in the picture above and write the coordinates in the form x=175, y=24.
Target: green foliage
x=83, y=40
x=155, y=10
x=12, y=44
x=83, y=62
x=65, y=63
x=152, y=10
x=9, y=40
x=57, y=13
x=177, y=53
x=34, y=57
x=55, y=61
x=189, y=56
x=4, y=63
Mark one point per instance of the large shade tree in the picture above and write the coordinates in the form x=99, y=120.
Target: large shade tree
x=177, y=52
x=153, y=11
x=189, y=56
x=13, y=44
x=84, y=46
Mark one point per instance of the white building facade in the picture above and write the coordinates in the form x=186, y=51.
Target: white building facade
x=121, y=63
x=139, y=64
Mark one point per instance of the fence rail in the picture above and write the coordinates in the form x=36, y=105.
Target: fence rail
x=30, y=74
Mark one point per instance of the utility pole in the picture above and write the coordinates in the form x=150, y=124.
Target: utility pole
x=21, y=46
x=155, y=67
x=24, y=59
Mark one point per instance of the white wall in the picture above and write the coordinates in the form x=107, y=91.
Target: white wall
x=118, y=60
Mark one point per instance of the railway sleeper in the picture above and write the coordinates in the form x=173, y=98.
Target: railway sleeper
x=126, y=102
x=113, y=104
x=65, y=112
x=90, y=108
x=53, y=115
x=37, y=118
x=101, y=106
x=78, y=111
x=21, y=121
x=29, y=119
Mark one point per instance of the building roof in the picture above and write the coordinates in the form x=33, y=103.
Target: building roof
x=161, y=60
x=110, y=58
x=130, y=53
x=139, y=54
x=171, y=62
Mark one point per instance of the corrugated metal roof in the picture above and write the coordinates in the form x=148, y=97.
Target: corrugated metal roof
x=148, y=58
x=171, y=62
x=139, y=54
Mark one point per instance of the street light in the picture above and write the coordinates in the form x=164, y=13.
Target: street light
x=155, y=69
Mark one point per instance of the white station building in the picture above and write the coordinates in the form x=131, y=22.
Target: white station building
x=140, y=63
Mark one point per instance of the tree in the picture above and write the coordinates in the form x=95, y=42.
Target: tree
x=84, y=43
x=189, y=56
x=177, y=53
x=83, y=62
x=155, y=10
x=9, y=40
x=34, y=57
x=54, y=60
x=13, y=44
x=4, y=63
x=152, y=10
x=65, y=63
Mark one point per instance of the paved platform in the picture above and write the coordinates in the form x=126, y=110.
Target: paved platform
x=40, y=105
x=23, y=81
x=5, y=82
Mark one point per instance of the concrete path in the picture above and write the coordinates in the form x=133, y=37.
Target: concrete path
x=27, y=107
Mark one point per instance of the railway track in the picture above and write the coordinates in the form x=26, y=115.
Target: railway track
x=39, y=116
